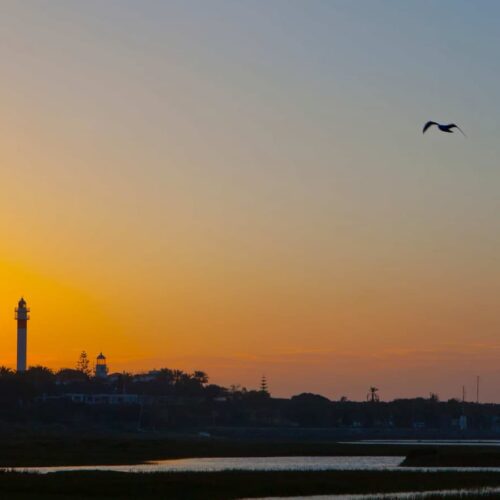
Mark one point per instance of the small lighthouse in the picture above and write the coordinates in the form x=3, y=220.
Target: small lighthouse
x=22, y=317
x=101, y=368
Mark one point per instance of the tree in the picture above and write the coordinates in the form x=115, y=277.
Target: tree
x=200, y=377
x=215, y=391
x=433, y=397
x=178, y=376
x=83, y=364
x=67, y=376
x=6, y=372
x=40, y=377
x=310, y=410
x=263, y=385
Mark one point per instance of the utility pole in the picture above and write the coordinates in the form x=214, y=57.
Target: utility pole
x=477, y=390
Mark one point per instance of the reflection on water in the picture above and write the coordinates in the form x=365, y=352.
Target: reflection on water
x=474, y=493
x=238, y=463
x=260, y=464
x=434, y=442
x=290, y=464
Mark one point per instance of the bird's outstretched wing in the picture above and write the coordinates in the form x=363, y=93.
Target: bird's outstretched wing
x=454, y=125
x=427, y=125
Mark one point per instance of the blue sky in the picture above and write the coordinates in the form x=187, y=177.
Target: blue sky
x=259, y=169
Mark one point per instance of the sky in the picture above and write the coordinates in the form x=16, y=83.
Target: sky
x=243, y=187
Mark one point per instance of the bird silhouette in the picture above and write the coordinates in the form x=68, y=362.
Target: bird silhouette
x=444, y=128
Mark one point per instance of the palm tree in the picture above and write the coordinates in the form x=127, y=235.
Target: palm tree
x=372, y=395
x=165, y=376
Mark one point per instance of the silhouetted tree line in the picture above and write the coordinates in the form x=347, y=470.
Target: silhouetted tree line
x=173, y=398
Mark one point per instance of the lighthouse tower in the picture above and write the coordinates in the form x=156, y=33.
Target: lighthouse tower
x=101, y=369
x=22, y=317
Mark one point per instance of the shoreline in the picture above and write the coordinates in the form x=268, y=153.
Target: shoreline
x=134, y=449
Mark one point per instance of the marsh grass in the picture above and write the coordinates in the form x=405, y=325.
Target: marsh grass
x=231, y=485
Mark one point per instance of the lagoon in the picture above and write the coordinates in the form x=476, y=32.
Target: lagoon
x=222, y=464
x=426, y=442
x=261, y=464
x=461, y=493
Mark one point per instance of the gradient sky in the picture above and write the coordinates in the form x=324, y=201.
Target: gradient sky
x=243, y=187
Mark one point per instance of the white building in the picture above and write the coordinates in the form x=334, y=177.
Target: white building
x=104, y=399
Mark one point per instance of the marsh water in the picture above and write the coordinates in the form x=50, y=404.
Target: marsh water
x=219, y=464
x=464, y=493
x=428, y=442
x=239, y=463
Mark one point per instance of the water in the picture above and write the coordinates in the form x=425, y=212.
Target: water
x=260, y=464
x=238, y=463
x=475, y=492
x=427, y=442
x=289, y=464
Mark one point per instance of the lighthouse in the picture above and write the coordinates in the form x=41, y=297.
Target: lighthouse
x=22, y=317
x=101, y=369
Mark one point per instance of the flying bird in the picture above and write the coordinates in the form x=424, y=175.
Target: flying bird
x=444, y=128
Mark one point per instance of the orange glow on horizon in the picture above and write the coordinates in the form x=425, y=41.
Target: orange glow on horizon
x=207, y=188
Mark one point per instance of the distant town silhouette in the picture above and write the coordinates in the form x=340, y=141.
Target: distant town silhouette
x=169, y=398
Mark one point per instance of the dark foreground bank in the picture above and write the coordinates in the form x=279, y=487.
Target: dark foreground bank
x=26, y=450
x=230, y=485
x=32, y=450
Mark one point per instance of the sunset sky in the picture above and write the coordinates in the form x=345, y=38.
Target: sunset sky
x=243, y=187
